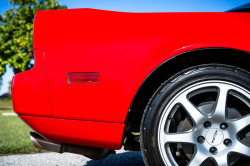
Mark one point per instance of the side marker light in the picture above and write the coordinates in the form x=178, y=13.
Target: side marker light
x=83, y=78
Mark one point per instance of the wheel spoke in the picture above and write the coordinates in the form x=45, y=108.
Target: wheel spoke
x=221, y=160
x=220, y=108
x=197, y=159
x=191, y=110
x=241, y=123
x=180, y=138
x=242, y=149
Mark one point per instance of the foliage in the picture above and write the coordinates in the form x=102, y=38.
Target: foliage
x=16, y=30
x=10, y=83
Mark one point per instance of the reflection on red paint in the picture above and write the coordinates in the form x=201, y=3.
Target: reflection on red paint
x=83, y=78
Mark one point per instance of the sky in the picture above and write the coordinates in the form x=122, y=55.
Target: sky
x=136, y=6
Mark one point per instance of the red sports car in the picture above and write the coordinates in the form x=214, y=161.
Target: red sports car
x=175, y=86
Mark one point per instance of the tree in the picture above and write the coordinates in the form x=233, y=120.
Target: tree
x=9, y=88
x=1, y=82
x=16, y=31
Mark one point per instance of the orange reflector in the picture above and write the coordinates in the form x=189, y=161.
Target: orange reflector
x=83, y=78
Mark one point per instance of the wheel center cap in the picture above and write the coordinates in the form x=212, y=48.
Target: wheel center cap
x=214, y=137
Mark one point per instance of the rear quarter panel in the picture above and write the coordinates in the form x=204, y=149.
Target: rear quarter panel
x=123, y=48
x=30, y=90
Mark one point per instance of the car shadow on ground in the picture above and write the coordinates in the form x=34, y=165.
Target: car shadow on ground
x=121, y=159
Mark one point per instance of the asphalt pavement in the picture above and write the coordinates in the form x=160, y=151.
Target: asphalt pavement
x=121, y=158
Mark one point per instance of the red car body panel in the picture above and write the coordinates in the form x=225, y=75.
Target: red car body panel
x=95, y=134
x=30, y=91
x=124, y=48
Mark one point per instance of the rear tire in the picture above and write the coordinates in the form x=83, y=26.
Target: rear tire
x=162, y=118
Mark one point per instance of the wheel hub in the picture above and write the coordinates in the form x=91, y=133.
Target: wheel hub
x=214, y=137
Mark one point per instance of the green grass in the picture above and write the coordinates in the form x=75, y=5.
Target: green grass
x=6, y=104
x=14, y=133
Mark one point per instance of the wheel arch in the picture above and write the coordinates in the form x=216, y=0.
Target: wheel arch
x=175, y=64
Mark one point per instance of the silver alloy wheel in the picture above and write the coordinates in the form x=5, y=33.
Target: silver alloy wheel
x=214, y=136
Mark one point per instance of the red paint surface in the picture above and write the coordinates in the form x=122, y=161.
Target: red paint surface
x=123, y=48
x=30, y=92
x=88, y=133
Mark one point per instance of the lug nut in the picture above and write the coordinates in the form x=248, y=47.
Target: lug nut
x=207, y=124
x=213, y=150
x=227, y=142
x=223, y=126
x=201, y=139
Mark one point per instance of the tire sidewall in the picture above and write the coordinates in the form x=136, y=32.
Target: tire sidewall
x=155, y=108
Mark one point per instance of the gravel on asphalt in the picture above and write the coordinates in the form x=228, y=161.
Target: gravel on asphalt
x=121, y=158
